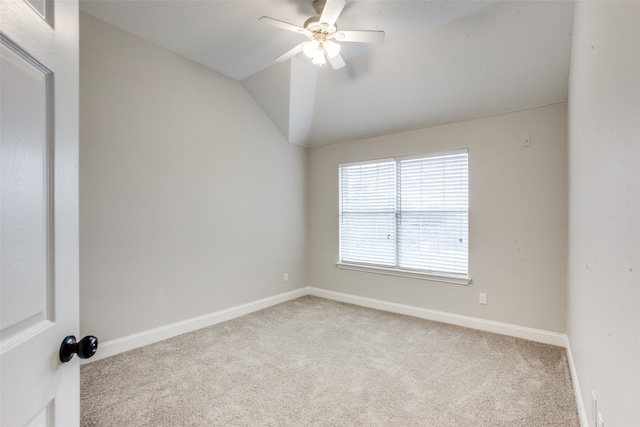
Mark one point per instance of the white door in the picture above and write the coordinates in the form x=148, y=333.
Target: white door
x=38, y=211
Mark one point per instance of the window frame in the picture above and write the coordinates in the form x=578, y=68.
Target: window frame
x=458, y=279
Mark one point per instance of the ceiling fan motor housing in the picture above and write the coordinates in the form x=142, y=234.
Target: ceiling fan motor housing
x=313, y=24
x=318, y=6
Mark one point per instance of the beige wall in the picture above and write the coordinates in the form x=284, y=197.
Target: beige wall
x=191, y=201
x=604, y=233
x=518, y=213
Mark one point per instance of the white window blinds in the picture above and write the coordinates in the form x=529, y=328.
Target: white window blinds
x=409, y=214
x=432, y=216
x=368, y=213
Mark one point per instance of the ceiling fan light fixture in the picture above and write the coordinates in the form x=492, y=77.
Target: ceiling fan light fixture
x=332, y=48
x=318, y=58
x=310, y=48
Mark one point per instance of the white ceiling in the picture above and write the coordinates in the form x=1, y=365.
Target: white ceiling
x=441, y=61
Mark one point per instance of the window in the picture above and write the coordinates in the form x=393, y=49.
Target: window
x=406, y=215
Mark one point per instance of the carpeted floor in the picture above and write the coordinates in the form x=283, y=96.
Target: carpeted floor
x=316, y=362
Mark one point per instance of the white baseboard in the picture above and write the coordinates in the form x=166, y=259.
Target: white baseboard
x=531, y=334
x=119, y=345
x=582, y=412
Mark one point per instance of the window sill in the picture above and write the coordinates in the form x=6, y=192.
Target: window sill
x=456, y=280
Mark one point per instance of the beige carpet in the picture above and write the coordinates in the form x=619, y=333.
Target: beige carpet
x=315, y=362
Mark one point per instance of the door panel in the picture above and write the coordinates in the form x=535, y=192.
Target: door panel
x=25, y=227
x=38, y=211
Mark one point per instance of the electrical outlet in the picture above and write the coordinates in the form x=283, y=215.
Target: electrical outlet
x=286, y=277
x=482, y=299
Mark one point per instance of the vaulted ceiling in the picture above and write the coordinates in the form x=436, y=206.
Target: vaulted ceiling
x=441, y=61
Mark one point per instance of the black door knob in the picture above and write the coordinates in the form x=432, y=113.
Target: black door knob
x=85, y=348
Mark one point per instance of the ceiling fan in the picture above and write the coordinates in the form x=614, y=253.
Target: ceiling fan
x=323, y=34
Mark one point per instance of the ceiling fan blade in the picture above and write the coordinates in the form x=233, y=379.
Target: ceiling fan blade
x=363, y=36
x=285, y=25
x=290, y=53
x=330, y=12
x=336, y=62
